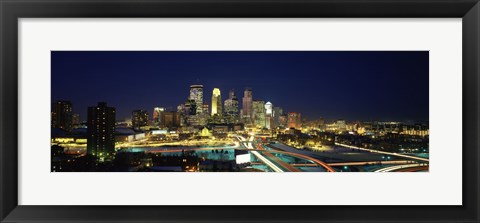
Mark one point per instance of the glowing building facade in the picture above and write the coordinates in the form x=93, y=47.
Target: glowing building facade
x=294, y=120
x=247, y=105
x=231, y=108
x=101, y=132
x=157, y=111
x=216, y=102
x=196, y=94
x=259, y=113
x=269, y=115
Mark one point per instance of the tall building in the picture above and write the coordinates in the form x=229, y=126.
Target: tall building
x=62, y=114
x=157, y=111
x=139, y=118
x=269, y=108
x=258, y=113
x=196, y=94
x=277, y=112
x=247, y=105
x=341, y=125
x=171, y=119
x=269, y=115
x=216, y=102
x=294, y=120
x=231, y=108
x=101, y=132
x=76, y=120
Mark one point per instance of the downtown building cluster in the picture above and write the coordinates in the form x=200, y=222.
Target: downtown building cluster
x=194, y=112
x=103, y=131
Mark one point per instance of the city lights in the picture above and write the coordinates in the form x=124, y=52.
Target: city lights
x=306, y=121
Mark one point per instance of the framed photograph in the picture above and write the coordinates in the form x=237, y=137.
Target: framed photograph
x=227, y=111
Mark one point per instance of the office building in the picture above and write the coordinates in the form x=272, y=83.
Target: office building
x=216, y=102
x=231, y=108
x=171, y=119
x=258, y=113
x=196, y=94
x=157, y=111
x=139, y=118
x=247, y=105
x=294, y=120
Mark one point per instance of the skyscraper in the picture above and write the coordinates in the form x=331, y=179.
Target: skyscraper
x=171, y=119
x=259, y=113
x=269, y=108
x=247, y=105
x=216, y=102
x=101, y=132
x=269, y=115
x=139, y=118
x=62, y=113
x=294, y=120
x=277, y=112
x=231, y=108
x=196, y=94
x=157, y=111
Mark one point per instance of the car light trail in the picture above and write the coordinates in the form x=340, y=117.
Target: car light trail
x=382, y=152
x=393, y=168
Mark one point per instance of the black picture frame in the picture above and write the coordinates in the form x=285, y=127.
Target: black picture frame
x=12, y=10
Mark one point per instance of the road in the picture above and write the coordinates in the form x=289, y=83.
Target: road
x=400, y=167
x=361, y=163
x=259, y=156
x=383, y=152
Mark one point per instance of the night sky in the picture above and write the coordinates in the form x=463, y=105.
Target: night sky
x=365, y=86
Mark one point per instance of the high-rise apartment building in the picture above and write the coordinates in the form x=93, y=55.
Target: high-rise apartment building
x=62, y=114
x=101, y=132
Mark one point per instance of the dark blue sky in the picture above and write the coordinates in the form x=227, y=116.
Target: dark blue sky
x=389, y=86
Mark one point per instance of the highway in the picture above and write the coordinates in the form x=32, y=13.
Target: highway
x=399, y=167
x=383, y=152
x=361, y=163
x=260, y=156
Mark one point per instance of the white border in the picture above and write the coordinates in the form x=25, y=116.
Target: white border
x=441, y=186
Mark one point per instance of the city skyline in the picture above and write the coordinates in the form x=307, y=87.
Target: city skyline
x=363, y=96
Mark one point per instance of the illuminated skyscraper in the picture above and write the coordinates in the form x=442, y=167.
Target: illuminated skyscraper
x=139, y=118
x=101, y=132
x=62, y=114
x=231, y=108
x=269, y=108
x=157, y=111
x=269, y=115
x=277, y=112
x=216, y=102
x=247, y=105
x=196, y=94
x=258, y=113
x=294, y=120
